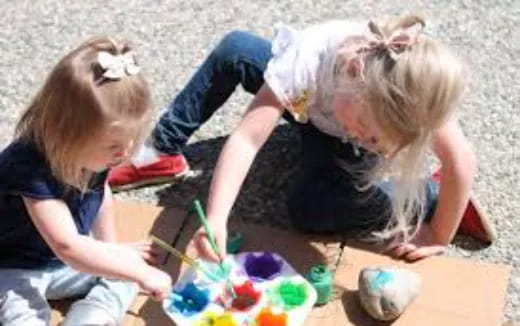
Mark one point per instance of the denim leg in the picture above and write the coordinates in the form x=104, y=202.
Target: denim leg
x=105, y=304
x=105, y=301
x=328, y=198
x=239, y=58
x=69, y=283
x=431, y=196
x=22, y=298
x=24, y=295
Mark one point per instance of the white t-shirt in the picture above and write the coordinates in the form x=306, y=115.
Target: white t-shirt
x=301, y=71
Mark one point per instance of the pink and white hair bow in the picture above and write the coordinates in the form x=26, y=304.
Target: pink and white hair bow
x=393, y=44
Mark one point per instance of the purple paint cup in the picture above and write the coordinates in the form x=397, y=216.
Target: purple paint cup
x=265, y=266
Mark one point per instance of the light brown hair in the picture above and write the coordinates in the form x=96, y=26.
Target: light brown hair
x=411, y=89
x=76, y=105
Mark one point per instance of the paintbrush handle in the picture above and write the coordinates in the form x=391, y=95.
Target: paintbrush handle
x=173, y=251
x=204, y=222
x=190, y=261
x=213, y=243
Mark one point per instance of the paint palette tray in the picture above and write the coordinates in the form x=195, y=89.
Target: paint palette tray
x=269, y=292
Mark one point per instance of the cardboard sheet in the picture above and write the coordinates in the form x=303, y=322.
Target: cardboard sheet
x=454, y=292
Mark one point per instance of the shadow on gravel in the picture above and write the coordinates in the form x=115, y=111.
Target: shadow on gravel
x=262, y=199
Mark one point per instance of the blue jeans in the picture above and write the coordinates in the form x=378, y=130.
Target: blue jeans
x=327, y=197
x=24, y=295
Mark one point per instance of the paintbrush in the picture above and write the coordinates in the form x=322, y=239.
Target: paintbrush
x=213, y=243
x=181, y=256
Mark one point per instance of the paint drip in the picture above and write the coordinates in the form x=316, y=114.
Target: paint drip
x=267, y=318
x=263, y=267
x=385, y=292
x=213, y=319
x=218, y=273
x=189, y=301
x=246, y=296
x=289, y=294
x=381, y=279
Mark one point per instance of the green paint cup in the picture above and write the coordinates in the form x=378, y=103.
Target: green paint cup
x=320, y=278
x=234, y=242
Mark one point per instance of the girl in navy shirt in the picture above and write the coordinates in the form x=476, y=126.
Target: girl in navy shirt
x=57, y=236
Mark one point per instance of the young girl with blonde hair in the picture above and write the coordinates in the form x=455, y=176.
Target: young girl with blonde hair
x=370, y=99
x=57, y=234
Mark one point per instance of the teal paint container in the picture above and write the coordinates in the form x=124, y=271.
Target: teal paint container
x=234, y=242
x=320, y=278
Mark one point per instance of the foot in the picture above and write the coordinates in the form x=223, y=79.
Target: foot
x=475, y=222
x=166, y=169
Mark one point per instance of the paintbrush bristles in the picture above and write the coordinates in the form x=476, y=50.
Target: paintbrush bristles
x=183, y=257
x=213, y=243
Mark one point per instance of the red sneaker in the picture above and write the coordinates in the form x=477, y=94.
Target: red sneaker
x=167, y=169
x=475, y=222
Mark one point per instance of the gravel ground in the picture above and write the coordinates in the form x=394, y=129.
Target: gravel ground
x=174, y=36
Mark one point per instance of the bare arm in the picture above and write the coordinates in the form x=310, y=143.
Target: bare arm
x=458, y=170
x=53, y=220
x=233, y=164
x=459, y=165
x=104, y=227
x=239, y=152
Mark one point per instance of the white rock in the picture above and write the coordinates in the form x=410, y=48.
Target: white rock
x=385, y=292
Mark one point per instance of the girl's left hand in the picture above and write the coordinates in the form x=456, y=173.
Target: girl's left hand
x=145, y=250
x=422, y=246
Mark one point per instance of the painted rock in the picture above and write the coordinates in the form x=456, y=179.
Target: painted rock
x=385, y=292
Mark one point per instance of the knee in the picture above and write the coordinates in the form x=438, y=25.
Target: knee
x=105, y=304
x=232, y=44
x=88, y=312
x=234, y=39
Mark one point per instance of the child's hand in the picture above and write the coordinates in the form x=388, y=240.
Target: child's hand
x=145, y=250
x=422, y=246
x=156, y=284
x=201, y=242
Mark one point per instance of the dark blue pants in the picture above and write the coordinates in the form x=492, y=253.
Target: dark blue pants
x=327, y=197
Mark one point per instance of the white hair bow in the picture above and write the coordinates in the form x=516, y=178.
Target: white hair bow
x=117, y=66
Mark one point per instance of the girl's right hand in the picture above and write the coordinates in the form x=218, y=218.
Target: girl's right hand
x=156, y=284
x=145, y=250
x=203, y=246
